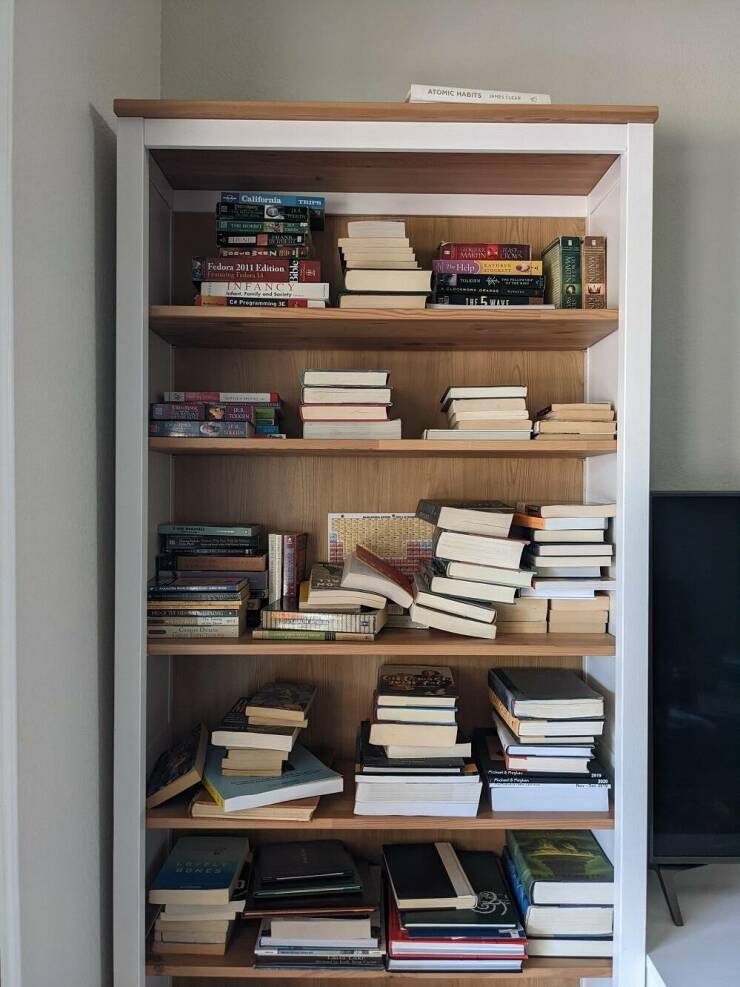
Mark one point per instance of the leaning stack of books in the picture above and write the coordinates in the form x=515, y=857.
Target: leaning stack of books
x=566, y=555
x=191, y=606
x=343, y=404
x=216, y=415
x=409, y=759
x=489, y=413
x=197, y=887
x=265, y=253
x=487, y=275
x=576, y=421
x=476, y=565
x=319, y=908
x=203, y=550
x=380, y=268
x=450, y=911
x=540, y=755
x=564, y=885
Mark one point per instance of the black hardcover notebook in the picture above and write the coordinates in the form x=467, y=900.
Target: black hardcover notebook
x=427, y=875
x=363, y=901
x=311, y=860
x=559, y=693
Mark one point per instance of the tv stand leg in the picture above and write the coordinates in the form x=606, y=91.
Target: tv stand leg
x=668, y=887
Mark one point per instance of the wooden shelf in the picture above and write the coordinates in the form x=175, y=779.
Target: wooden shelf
x=565, y=449
x=386, y=329
x=392, y=641
x=239, y=958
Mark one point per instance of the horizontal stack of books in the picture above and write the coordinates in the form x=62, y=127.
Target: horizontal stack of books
x=567, y=554
x=523, y=616
x=191, y=606
x=265, y=253
x=235, y=551
x=343, y=404
x=216, y=415
x=487, y=275
x=575, y=272
x=564, y=886
x=540, y=755
x=489, y=413
x=589, y=616
x=319, y=908
x=450, y=910
x=286, y=568
x=197, y=887
x=380, y=268
x=576, y=421
x=475, y=566
x=409, y=759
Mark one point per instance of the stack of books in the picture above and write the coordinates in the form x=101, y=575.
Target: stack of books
x=265, y=253
x=190, y=606
x=489, y=413
x=286, y=569
x=475, y=566
x=450, y=910
x=487, y=275
x=523, y=616
x=276, y=705
x=319, y=908
x=564, y=885
x=216, y=415
x=202, y=550
x=576, y=421
x=589, y=616
x=342, y=404
x=540, y=755
x=198, y=887
x=566, y=555
x=409, y=760
x=380, y=268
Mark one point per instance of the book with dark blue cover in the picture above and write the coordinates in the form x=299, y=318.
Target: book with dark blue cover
x=200, y=870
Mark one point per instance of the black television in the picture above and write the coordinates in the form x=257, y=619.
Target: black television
x=694, y=678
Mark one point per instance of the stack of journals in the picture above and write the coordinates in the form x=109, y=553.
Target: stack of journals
x=197, y=887
x=231, y=550
x=216, y=415
x=409, y=760
x=264, y=253
x=319, y=908
x=450, y=910
x=491, y=412
x=487, y=275
x=191, y=606
x=576, y=421
x=476, y=564
x=540, y=757
x=286, y=568
x=567, y=554
x=347, y=404
x=380, y=268
x=564, y=885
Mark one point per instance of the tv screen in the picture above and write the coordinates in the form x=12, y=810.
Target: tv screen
x=695, y=677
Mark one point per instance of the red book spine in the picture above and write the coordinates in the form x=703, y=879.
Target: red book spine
x=244, y=268
x=294, y=563
x=485, y=251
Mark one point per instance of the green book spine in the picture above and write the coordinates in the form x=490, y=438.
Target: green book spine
x=562, y=267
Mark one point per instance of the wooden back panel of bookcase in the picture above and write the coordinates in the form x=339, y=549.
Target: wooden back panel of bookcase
x=287, y=493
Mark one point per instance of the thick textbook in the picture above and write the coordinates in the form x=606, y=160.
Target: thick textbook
x=562, y=867
x=427, y=875
x=200, y=870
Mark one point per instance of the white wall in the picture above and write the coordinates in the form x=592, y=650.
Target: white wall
x=72, y=57
x=677, y=53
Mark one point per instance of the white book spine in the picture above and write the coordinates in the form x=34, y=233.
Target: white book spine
x=452, y=94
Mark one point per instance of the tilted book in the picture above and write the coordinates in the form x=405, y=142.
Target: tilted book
x=179, y=768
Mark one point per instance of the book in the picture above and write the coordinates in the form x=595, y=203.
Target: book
x=230, y=227
x=233, y=241
x=308, y=860
x=260, y=634
x=259, y=302
x=595, y=429
x=593, y=271
x=562, y=266
x=326, y=589
x=371, y=759
x=514, y=747
x=200, y=870
x=413, y=734
x=452, y=250
x=458, y=393
x=222, y=563
x=575, y=413
x=178, y=630
x=483, y=517
x=505, y=284
x=546, y=693
x=345, y=378
x=365, y=571
x=294, y=562
x=456, y=546
x=562, y=867
x=559, y=523
x=246, y=268
x=380, y=300
x=577, y=510
x=533, y=728
x=548, y=550
x=570, y=946
x=343, y=412
x=375, y=228
x=264, y=399
x=178, y=768
x=518, y=578
x=366, y=901
x=296, y=810
x=461, y=749
x=414, y=714
x=316, y=291
x=424, y=596
x=256, y=212
x=475, y=435
x=507, y=267
x=365, y=280
x=235, y=730
x=452, y=94
x=427, y=875
x=567, y=536
x=201, y=430
x=463, y=299
x=352, y=430
x=286, y=615
x=288, y=702
x=372, y=243
x=416, y=685
x=315, y=204
x=453, y=625
x=305, y=776
x=346, y=395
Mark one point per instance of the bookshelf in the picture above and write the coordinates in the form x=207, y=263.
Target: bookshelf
x=513, y=174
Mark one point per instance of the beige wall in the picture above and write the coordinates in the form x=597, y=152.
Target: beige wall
x=680, y=54
x=71, y=58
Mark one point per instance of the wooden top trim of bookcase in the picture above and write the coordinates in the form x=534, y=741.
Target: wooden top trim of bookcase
x=182, y=109
x=381, y=329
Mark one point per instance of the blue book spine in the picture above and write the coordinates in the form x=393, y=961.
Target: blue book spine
x=269, y=198
x=517, y=887
x=266, y=429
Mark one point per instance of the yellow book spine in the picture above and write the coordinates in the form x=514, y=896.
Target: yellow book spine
x=213, y=792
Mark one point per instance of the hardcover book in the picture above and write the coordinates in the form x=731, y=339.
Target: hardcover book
x=427, y=875
x=593, y=267
x=363, y=570
x=562, y=867
x=310, y=860
x=201, y=430
x=179, y=768
x=529, y=267
x=416, y=685
x=246, y=268
x=554, y=693
x=562, y=267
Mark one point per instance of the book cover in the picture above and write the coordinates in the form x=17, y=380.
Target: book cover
x=562, y=267
x=307, y=860
x=521, y=685
x=315, y=204
x=178, y=768
x=200, y=864
x=572, y=856
x=178, y=412
x=294, y=562
x=481, y=300
x=240, y=226
x=427, y=875
x=229, y=243
x=593, y=268
x=484, y=251
x=282, y=697
x=400, y=685
x=364, y=554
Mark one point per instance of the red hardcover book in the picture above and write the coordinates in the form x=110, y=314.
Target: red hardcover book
x=294, y=562
x=246, y=268
x=384, y=568
x=485, y=251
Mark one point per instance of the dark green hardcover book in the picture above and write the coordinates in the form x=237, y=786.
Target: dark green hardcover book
x=562, y=867
x=561, y=262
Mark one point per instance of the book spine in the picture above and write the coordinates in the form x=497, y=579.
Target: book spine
x=253, y=212
x=520, y=865
x=229, y=412
x=520, y=895
x=274, y=567
x=257, y=399
x=593, y=271
x=268, y=289
x=187, y=630
x=225, y=269
x=484, y=300
x=178, y=412
x=295, y=252
x=270, y=199
x=563, y=272
x=447, y=94
x=269, y=635
x=529, y=267
x=175, y=596
x=485, y=251
x=223, y=301
x=202, y=430
x=184, y=620
x=241, y=227
x=232, y=613
x=213, y=530
x=513, y=284
x=346, y=623
x=289, y=587
x=261, y=240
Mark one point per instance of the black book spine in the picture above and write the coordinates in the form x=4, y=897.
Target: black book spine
x=487, y=300
x=520, y=284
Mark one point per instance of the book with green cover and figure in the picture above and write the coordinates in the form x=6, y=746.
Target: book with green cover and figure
x=562, y=867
